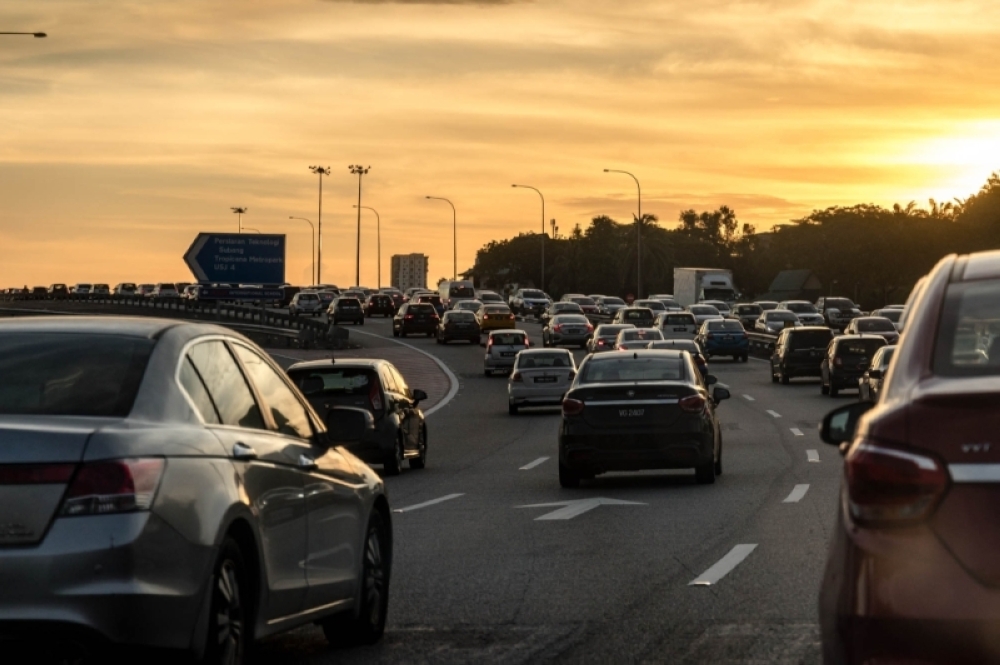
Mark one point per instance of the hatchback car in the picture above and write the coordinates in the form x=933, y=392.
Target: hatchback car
x=458, y=324
x=502, y=347
x=418, y=318
x=567, y=330
x=805, y=310
x=165, y=291
x=162, y=486
x=305, y=302
x=875, y=325
x=870, y=383
x=639, y=410
x=494, y=317
x=540, y=377
x=346, y=308
x=724, y=338
x=636, y=338
x=604, y=337
x=894, y=314
x=677, y=325
x=912, y=574
x=845, y=360
x=640, y=317
x=799, y=352
x=720, y=305
x=379, y=304
x=399, y=432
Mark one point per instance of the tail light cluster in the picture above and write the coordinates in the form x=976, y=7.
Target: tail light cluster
x=116, y=486
x=572, y=407
x=692, y=404
x=516, y=377
x=888, y=486
x=375, y=396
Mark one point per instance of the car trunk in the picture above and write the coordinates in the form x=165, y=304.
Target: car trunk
x=38, y=457
x=546, y=376
x=630, y=407
x=961, y=427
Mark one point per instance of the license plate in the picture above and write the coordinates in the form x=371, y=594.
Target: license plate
x=461, y=325
x=727, y=338
x=545, y=379
x=507, y=354
x=631, y=413
x=573, y=331
x=680, y=329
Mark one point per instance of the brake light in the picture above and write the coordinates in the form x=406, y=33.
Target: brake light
x=887, y=486
x=601, y=342
x=692, y=404
x=557, y=327
x=838, y=362
x=516, y=377
x=375, y=397
x=408, y=316
x=572, y=407
x=590, y=328
x=118, y=486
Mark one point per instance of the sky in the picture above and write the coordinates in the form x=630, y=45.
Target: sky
x=136, y=125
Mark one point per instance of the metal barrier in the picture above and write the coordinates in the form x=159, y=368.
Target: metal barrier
x=761, y=344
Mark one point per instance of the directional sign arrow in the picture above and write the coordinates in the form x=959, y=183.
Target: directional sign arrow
x=571, y=509
x=190, y=257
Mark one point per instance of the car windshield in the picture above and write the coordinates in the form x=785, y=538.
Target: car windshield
x=968, y=342
x=308, y=297
x=613, y=301
x=891, y=314
x=731, y=326
x=704, y=309
x=840, y=303
x=679, y=320
x=749, y=310
x=543, y=360
x=801, y=307
x=721, y=306
x=583, y=301
x=638, y=314
x=610, y=331
x=654, y=305
x=71, y=374
x=619, y=370
x=680, y=344
x=533, y=295
x=460, y=316
x=875, y=325
x=781, y=315
x=633, y=334
x=461, y=292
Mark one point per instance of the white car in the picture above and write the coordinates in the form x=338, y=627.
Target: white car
x=125, y=289
x=720, y=305
x=632, y=339
x=79, y=290
x=894, y=314
x=677, y=325
x=165, y=291
x=776, y=320
x=100, y=290
x=704, y=313
x=540, y=378
x=805, y=310
x=305, y=302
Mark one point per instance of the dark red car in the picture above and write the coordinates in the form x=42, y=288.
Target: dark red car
x=913, y=574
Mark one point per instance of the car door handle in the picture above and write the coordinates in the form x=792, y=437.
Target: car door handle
x=307, y=463
x=243, y=451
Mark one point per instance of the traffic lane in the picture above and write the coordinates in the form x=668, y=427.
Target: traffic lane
x=480, y=564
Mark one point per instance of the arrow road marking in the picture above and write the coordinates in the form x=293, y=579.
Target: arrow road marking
x=797, y=493
x=427, y=503
x=573, y=508
x=812, y=455
x=724, y=566
x=774, y=414
x=532, y=465
x=748, y=398
x=797, y=432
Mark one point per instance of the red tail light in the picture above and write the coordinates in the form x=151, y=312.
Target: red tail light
x=572, y=407
x=375, y=397
x=117, y=486
x=557, y=327
x=572, y=374
x=408, y=316
x=590, y=328
x=838, y=362
x=887, y=486
x=692, y=404
x=516, y=377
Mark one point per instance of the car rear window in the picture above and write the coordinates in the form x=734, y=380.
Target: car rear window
x=725, y=325
x=507, y=339
x=801, y=307
x=534, y=360
x=570, y=319
x=679, y=344
x=334, y=381
x=633, y=369
x=349, y=303
x=610, y=331
x=421, y=308
x=679, y=320
x=497, y=309
x=968, y=338
x=748, y=310
x=583, y=301
x=534, y=295
x=704, y=309
x=308, y=296
x=640, y=333
x=810, y=339
x=839, y=303
x=875, y=325
x=71, y=374
x=860, y=348
x=638, y=314
x=460, y=316
x=781, y=315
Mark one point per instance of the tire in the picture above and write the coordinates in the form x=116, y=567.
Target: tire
x=834, y=390
x=421, y=461
x=361, y=322
x=746, y=357
x=774, y=376
x=230, y=593
x=474, y=340
x=402, y=333
x=345, y=629
x=568, y=478
x=718, y=464
x=439, y=340
x=705, y=474
x=395, y=333
x=785, y=379
x=488, y=372
x=512, y=408
x=393, y=464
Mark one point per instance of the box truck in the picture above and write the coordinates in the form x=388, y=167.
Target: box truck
x=693, y=285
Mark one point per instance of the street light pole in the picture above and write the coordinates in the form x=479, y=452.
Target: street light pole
x=359, y=171
x=320, y=171
x=33, y=34
x=378, y=236
x=239, y=211
x=638, y=234
x=454, y=234
x=312, y=253
x=541, y=283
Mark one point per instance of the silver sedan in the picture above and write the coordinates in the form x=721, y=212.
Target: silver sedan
x=540, y=378
x=163, y=484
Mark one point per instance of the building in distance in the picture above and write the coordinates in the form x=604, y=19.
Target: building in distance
x=409, y=271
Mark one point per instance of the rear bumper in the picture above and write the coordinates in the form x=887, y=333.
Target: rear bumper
x=418, y=328
x=634, y=452
x=536, y=394
x=801, y=369
x=845, y=379
x=126, y=579
x=491, y=362
x=727, y=349
x=559, y=339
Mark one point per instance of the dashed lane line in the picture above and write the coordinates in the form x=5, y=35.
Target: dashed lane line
x=432, y=502
x=774, y=414
x=532, y=465
x=748, y=398
x=797, y=493
x=812, y=455
x=724, y=566
x=797, y=432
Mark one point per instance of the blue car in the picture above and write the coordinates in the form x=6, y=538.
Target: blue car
x=724, y=337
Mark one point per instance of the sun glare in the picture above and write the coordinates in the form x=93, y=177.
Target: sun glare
x=962, y=161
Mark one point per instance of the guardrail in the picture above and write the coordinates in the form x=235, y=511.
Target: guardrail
x=305, y=331
x=761, y=344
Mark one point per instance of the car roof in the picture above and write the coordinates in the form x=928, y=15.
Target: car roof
x=532, y=352
x=637, y=353
x=349, y=363
x=851, y=338
x=504, y=331
x=131, y=326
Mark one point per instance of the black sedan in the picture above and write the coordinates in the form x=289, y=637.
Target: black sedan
x=456, y=324
x=640, y=410
x=414, y=318
x=379, y=304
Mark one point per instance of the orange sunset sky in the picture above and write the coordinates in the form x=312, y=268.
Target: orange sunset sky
x=135, y=125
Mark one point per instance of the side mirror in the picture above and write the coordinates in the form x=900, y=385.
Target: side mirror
x=840, y=424
x=719, y=394
x=710, y=380
x=348, y=424
x=419, y=395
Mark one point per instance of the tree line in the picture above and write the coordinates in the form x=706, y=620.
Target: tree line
x=866, y=252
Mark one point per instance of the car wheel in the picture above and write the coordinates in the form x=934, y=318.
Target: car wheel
x=785, y=379
x=361, y=322
x=705, y=474
x=823, y=388
x=473, y=340
x=568, y=478
x=368, y=626
x=834, y=390
x=402, y=333
x=487, y=372
x=421, y=461
x=774, y=375
x=393, y=464
x=395, y=333
x=439, y=340
x=512, y=408
x=718, y=465
x=229, y=622
x=746, y=357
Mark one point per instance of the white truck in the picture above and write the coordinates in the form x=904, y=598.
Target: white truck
x=693, y=285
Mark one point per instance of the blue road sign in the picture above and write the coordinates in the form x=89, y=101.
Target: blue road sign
x=222, y=293
x=237, y=258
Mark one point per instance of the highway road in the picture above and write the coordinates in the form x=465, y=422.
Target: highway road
x=661, y=570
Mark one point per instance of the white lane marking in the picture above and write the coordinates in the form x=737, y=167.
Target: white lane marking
x=281, y=355
x=724, y=566
x=797, y=432
x=812, y=455
x=451, y=375
x=532, y=465
x=417, y=506
x=774, y=414
x=798, y=492
x=722, y=385
x=748, y=398
x=571, y=509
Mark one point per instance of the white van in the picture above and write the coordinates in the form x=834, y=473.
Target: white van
x=452, y=292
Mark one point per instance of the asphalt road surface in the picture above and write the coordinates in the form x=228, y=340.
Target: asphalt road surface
x=483, y=574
